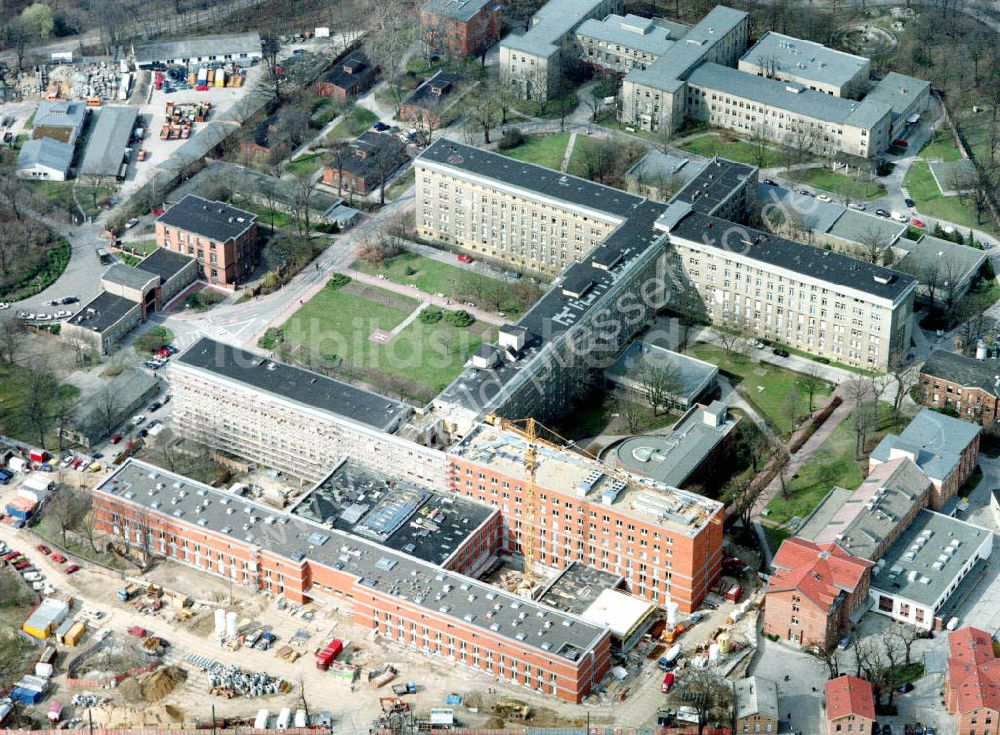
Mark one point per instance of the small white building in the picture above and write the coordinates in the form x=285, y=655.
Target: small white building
x=44, y=159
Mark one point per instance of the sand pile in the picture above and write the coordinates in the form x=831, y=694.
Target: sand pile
x=111, y=716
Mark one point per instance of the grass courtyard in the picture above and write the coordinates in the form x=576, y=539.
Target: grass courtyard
x=715, y=144
x=924, y=190
x=848, y=186
x=434, y=277
x=544, y=150
x=307, y=164
x=333, y=332
x=767, y=387
x=832, y=464
x=353, y=124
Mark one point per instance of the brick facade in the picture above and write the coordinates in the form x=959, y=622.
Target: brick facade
x=462, y=37
x=972, y=682
x=971, y=402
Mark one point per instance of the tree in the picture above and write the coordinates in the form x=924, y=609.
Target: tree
x=741, y=495
x=33, y=24
x=339, y=152
x=873, y=245
x=829, y=656
x=905, y=376
x=270, y=42
x=68, y=508
x=483, y=111
x=624, y=405
x=42, y=386
x=109, y=409
x=63, y=414
x=660, y=379
x=709, y=694
x=760, y=145
x=11, y=339
x=302, y=191
x=811, y=382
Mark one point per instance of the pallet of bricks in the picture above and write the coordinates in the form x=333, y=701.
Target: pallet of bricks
x=181, y=117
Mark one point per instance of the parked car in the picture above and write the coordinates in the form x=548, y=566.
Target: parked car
x=824, y=197
x=770, y=182
x=152, y=365
x=131, y=223
x=906, y=689
x=71, y=569
x=463, y=258
x=780, y=352
x=918, y=223
x=380, y=126
x=908, y=202
x=918, y=729
x=164, y=353
x=137, y=419
x=882, y=212
x=58, y=558
x=44, y=549
x=901, y=216
x=858, y=206
x=806, y=193
x=143, y=433
x=845, y=642
x=170, y=348
x=116, y=438
x=907, y=729
x=154, y=406
x=70, y=299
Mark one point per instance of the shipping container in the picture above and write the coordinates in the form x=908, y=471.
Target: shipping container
x=284, y=719
x=300, y=718
x=38, y=455
x=75, y=634
x=44, y=671
x=55, y=711
x=261, y=722
x=325, y=657
x=733, y=595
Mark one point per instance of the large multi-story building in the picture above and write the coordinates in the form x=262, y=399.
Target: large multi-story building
x=968, y=386
x=665, y=542
x=460, y=27
x=221, y=237
x=807, y=63
x=622, y=43
x=261, y=410
x=532, y=62
x=786, y=90
x=813, y=300
x=430, y=606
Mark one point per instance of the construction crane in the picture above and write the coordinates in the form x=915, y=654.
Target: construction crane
x=535, y=434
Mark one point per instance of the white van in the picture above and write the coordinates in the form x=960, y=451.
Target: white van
x=952, y=624
x=284, y=719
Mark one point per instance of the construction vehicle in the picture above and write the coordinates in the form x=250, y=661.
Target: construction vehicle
x=393, y=704
x=377, y=679
x=127, y=592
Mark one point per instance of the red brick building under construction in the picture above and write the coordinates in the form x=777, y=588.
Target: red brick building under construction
x=665, y=542
x=429, y=606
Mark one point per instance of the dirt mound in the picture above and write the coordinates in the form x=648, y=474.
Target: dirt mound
x=158, y=684
x=130, y=717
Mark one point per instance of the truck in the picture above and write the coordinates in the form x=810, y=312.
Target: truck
x=38, y=455
x=127, y=592
x=325, y=657
x=266, y=641
x=667, y=661
x=409, y=687
x=55, y=711
x=668, y=682
x=378, y=679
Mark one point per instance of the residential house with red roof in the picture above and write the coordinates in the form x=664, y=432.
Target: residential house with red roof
x=850, y=706
x=813, y=592
x=972, y=682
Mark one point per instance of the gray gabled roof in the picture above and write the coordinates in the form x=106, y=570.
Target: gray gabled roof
x=460, y=10
x=787, y=96
x=937, y=441
x=60, y=114
x=755, y=695
x=110, y=136
x=46, y=152
x=556, y=18
x=219, y=46
x=966, y=371
x=215, y=220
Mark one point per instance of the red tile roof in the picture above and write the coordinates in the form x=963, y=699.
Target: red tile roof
x=820, y=572
x=849, y=695
x=973, y=670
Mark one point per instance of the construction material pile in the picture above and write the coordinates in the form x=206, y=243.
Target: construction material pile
x=73, y=81
x=132, y=717
x=232, y=681
x=87, y=700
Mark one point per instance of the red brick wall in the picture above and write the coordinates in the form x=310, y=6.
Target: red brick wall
x=974, y=404
x=685, y=569
x=468, y=38
x=860, y=725
x=235, y=259
x=298, y=582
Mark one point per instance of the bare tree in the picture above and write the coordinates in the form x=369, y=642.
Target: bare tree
x=37, y=406
x=11, y=339
x=660, y=380
x=741, y=495
x=812, y=381
x=873, y=245
x=709, y=694
x=108, y=409
x=69, y=509
x=829, y=656
x=906, y=376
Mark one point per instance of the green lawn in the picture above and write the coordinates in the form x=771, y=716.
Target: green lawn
x=838, y=183
x=60, y=194
x=15, y=395
x=16, y=603
x=545, y=150
x=942, y=146
x=400, y=184
x=307, y=164
x=357, y=121
x=553, y=109
x=832, y=464
x=433, y=277
x=333, y=329
x=766, y=386
x=924, y=191
x=141, y=247
x=715, y=144
x=279, y=219
x=48, y=529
